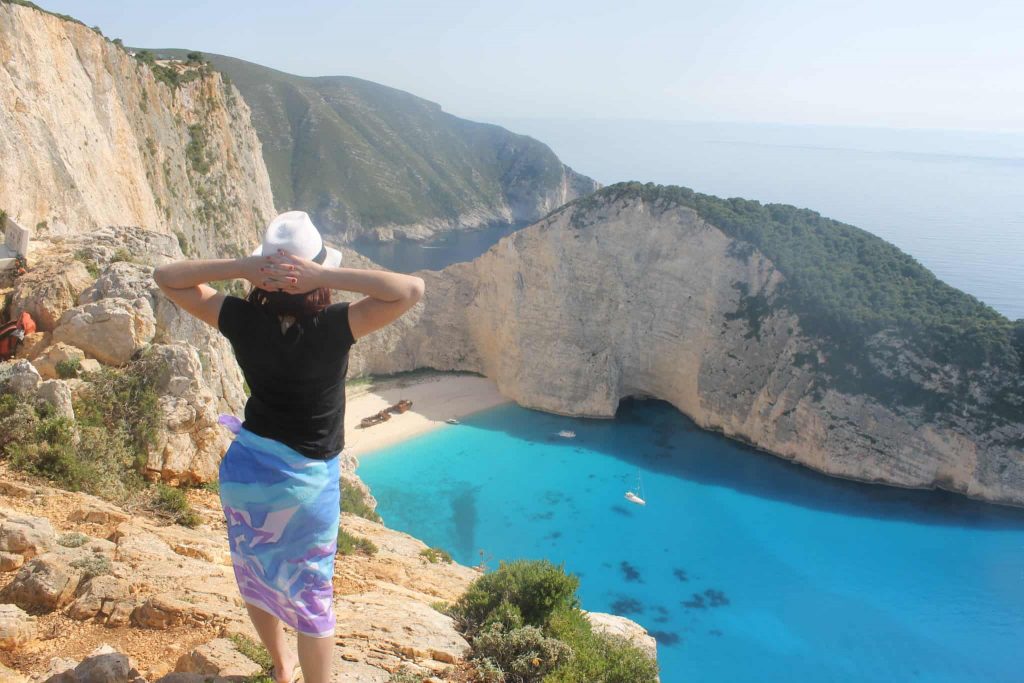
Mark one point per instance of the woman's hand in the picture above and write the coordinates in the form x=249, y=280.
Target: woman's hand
x=251, y=268
x=284, y=272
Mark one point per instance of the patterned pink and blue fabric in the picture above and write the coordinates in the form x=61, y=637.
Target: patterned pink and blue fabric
x=282, y=511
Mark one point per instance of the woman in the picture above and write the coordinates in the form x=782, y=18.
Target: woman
x=279, y=478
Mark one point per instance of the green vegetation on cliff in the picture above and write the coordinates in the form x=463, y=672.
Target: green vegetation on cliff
x=847, y=285
x=355, y=153
x=524, y=624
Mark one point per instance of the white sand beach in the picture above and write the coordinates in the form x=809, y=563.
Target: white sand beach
x=435, y=398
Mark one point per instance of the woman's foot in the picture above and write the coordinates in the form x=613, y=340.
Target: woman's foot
x=288, y=671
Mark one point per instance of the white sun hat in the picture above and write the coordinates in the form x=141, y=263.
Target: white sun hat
x=295, y=233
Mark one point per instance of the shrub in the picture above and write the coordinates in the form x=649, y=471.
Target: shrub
x=18, y=421
x=349, y=544
x=121, y=254
x=125, y=402
x=597, y=657
x=254, y=651
x=353, y=500
x=535, y=588
x=93, y=566
x=525, y=654
x=173, y=501
x=89, y=459
x=436, y=555
x=72, y=539
x=405, y=675
x=488, y=672
x=196, y=151
x=69, y=368
x=90, y=265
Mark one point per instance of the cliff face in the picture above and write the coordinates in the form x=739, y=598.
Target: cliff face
x=375, y=162
x=617, y=297
x=90, y=138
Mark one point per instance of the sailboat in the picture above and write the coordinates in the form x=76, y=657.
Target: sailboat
x=636, y=496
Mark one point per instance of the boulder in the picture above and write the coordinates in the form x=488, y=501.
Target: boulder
x=33, y=345
x=10, y=561
x=25, y=535
x=111, y=330
x=614, y=625
x=161, y=612
x=14, y=490
x=190, y=444
x=104, y=245
x=19, y=377
x=16, y=627
x=173, y=325
x=218, y=657
x=122, y=280
x=61, y=670
x=47, y=361
x=90, y=365
x=96, y=511
x=104, y=665
x=56, y=393
x=98, y=597
x=48, y=290
x=43, y=585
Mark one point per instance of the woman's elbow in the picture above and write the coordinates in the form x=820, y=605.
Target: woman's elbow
x=160, y=276
x=416, y=288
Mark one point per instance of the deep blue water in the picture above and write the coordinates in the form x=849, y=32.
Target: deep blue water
x=746, y=567
x=452, y=247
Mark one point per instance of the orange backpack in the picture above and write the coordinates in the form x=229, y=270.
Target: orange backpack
x=13, y=332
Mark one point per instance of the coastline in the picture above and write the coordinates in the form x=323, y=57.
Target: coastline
x=436, y=396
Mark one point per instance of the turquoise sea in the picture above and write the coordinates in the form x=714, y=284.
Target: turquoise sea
x=745, y=567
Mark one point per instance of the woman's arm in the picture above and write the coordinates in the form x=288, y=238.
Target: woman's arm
x=184, y=282
x=388, y=295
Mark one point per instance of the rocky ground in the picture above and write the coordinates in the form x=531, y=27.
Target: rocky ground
x=165, y=596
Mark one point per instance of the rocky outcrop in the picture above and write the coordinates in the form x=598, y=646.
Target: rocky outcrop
x=189, y=447
x=16, y=627
x=111, y=330
x=120, y=313
x=218, y=657
x=47, y=293
x=612, y=298
x=90, y=137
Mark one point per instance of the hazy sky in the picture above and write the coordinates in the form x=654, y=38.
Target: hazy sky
x=916, y=64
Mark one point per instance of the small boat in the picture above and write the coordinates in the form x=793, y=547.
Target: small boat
x=566, y=434
x=401, y=406
x=452, y=421
x=377, y=418
x=635, y=496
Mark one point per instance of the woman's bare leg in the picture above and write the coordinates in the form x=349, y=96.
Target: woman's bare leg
x=272, y=634
x=315, y=655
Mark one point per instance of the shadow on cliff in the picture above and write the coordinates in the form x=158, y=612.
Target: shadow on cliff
x=677, y=447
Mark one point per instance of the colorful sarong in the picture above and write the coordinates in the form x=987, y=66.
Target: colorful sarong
x=282, y=511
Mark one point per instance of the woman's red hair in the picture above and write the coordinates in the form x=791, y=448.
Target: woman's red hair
x=296, y=305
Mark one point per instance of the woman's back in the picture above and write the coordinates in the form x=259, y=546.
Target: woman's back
x=296, y=376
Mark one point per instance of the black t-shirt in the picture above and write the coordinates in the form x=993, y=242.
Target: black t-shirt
x=296, y=378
